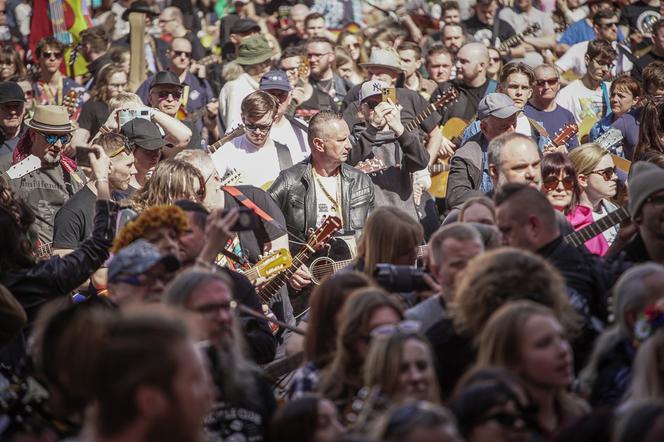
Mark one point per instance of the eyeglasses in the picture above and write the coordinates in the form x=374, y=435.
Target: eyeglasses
x=163, y=95
x=257, y=127
x=180, y=53
x=607, y=173
x=53, y=138
x=49, y=54
x=506, y=420
x=371, y=104
x=550, y=82
x=551, y=183
x=608, y=25
x=29, y=94
x=657, y=200
x=211, y=309
x=390, y=329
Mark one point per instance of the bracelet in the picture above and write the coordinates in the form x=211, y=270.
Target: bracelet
x=102, y=180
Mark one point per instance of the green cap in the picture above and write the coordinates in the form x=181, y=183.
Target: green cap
x=254, y=50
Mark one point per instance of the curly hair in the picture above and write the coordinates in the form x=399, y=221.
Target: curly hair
x=151, y=218
x=507, y=274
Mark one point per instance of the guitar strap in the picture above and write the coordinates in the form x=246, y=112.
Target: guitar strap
x=283, y=156
x=607, y=101
x=246, y=202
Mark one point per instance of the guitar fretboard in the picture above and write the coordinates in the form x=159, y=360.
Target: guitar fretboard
x=270, y=288
x=592, y=230
x=413, y=124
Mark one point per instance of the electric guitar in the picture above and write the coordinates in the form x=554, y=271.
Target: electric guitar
x=270, y=265
x=322, y=267
x=590, y=231
x=317, y=239
x=515, y=40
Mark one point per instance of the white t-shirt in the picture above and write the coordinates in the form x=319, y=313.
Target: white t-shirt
x=581, y=101
x=257, y=167
x=326, y=196
x=286, y=133
x=231, y=96
x=574, y=60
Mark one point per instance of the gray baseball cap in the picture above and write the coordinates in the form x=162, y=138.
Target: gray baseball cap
x=137, y=258
x=497, y=105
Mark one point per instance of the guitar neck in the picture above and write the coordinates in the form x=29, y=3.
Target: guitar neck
x=270, y=288
x=412, y=125
x=592, y=230
x=251, y=274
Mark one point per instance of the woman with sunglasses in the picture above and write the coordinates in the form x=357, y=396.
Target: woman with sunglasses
x=365, y=310
x=529, y=340
x=492, y=405
x=597, y=182
x=559, y=182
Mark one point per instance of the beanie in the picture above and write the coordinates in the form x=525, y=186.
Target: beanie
x=645, y=179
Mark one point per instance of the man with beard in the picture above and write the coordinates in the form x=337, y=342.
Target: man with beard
x=12, y=111
x=75, y=220
x=55, y=180
x=453, y=37
x=152, y=383
x=329, y=88
x=245, y=402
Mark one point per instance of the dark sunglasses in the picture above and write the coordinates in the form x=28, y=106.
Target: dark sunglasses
x=52, y=54
x=550, y=82
x=607, y=25
x=506, y=420
x=179, y=53
x=53, y=138
x=371, y=104
x=607, y=173
x=257, y=127
x=551, y=183
x=163, y=95
x=29, y=94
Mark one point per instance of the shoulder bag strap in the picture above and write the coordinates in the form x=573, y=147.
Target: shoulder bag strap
x=246, y=202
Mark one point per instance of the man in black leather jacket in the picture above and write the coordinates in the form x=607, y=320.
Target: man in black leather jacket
x=323, y=184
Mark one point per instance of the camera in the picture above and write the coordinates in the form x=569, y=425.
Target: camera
x=126, y=115
x=400, y=279
x=247, y=219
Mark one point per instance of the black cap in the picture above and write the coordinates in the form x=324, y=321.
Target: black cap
x=166, y=78
x=139, y=6
x=143, y=133
x=244, y=25
x=11, y=91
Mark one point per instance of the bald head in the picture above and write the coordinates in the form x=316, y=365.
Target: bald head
x=472, y=61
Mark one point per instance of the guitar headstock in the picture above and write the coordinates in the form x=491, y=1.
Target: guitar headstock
x=329, y=227
x=565, y=134
x=70, y=101
x=273, y=263
x=371, y=165
x=208, y=60
x=303, y=68
x=532, y=29
x=609, y=139
x=231, y=178
x=448, y=97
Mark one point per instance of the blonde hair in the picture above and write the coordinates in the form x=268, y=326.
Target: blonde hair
x=388, y=233
x=383, y=365
x=586, y=157
x=172, y=180
x=124, y=99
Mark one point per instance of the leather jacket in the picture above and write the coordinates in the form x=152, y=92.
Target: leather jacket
x=295, y=193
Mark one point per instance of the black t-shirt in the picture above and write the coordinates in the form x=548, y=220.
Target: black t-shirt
x=483, y=33
x=641, y=63
x=93, y=115
x=640, y=16
x=253, y=241
x=465, y=106
x=75, y=220
x=412, y=104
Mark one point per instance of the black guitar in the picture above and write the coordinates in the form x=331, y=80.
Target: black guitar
x=590, y=231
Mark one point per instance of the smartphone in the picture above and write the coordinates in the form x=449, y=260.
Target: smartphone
x=126, y=115
x=82, y=155
x=390, y=95
x=247, y=220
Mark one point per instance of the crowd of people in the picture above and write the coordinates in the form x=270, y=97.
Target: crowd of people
x=332, y=220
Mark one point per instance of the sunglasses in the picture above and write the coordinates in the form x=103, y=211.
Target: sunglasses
x=180, y=53
x=550, y=183
x=52, y=54
x=257, y=127
x=607, y=25
x=29, y=94
x=371, y=104
x=550, y=82
x=607, y=173
x=506, y=420
x=163, y=95
x=53, y=138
